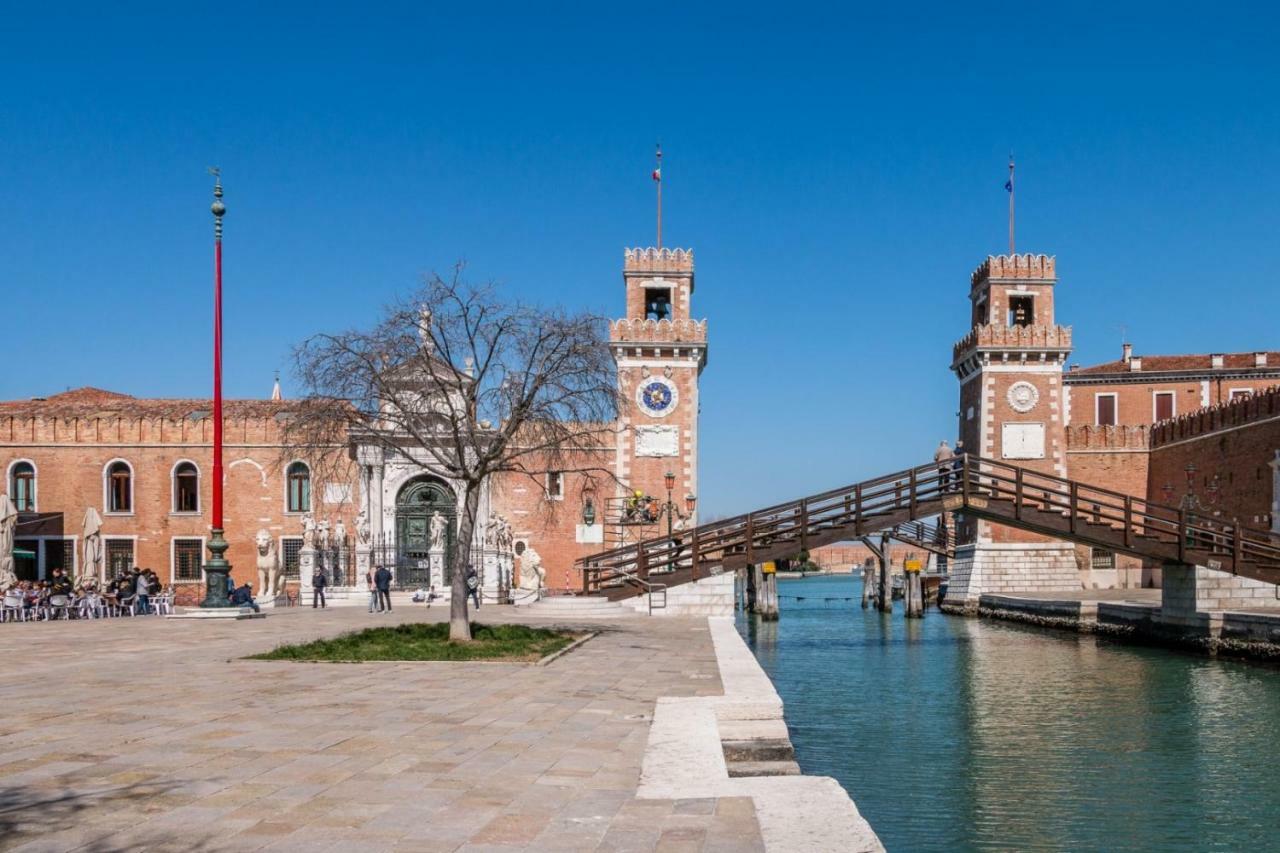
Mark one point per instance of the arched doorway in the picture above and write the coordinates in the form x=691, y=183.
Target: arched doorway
x=419, y=500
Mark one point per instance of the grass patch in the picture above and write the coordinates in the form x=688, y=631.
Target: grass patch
x=428, y=641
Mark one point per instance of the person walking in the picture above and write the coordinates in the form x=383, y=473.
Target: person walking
x=373, y=591
x=382, y=580
x=473, y=585
x=318, y=583
x=142, y=593
x=944, y=458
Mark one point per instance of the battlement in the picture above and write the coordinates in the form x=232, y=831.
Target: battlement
x=1090, y=437
x=118, y=419
x=990, y=336
x=1252, y=409
x=641, y=260
x=641, y=330
x=1005, y=267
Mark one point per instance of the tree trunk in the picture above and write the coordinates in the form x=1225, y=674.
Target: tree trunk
x=459, y=618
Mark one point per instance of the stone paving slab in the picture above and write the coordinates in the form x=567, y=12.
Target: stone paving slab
x=144, y=733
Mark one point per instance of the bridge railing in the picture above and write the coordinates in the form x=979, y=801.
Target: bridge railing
x=1133, y=517
x=858, y=506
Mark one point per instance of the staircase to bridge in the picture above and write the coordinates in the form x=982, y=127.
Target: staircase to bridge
x=907, y=504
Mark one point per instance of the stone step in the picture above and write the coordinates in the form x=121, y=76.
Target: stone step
x=739, y=769
x=758, y=750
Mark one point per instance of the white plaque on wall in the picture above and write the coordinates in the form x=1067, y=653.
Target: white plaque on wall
x=337, y=493
x=1022, y=441
x=657, y=441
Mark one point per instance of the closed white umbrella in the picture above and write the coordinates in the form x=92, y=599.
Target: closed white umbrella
x=8, y=527
x=91, y=563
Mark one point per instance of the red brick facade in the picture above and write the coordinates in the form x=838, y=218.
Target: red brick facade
x=70, y=440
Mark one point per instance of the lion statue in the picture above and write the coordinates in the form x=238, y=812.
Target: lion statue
x=532, y=575
x=270, y=579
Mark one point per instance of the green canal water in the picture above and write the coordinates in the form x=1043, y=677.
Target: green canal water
x=957, y=734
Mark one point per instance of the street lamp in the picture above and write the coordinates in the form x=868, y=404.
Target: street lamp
x=217, y=569
x=589, y=512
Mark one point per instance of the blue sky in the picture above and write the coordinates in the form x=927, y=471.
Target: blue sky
x=838, y=171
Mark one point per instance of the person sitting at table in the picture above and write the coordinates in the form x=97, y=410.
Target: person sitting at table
x=60, y=584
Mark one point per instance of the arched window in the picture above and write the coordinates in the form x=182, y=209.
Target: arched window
x=119, y=487
x=299, y=487
x=186, y=487
x=22, y=486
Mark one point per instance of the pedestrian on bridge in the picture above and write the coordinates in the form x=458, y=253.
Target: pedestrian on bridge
x=944, y=458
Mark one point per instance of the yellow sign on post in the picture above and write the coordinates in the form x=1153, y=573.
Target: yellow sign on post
x=911, y=565
x=769, y=568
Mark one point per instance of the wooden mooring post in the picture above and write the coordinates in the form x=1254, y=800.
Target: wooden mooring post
x=868, y=581
x=884, y=591
x=912, y=590
x=767, y=602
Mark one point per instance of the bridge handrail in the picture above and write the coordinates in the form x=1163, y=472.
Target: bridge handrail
x=919, y=491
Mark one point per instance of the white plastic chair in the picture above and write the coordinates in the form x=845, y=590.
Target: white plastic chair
x=59, y=605
x=12, y=609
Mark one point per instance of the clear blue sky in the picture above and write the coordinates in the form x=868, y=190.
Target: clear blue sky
x=837, y=170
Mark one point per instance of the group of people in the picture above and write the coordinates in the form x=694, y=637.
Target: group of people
x=135, y=587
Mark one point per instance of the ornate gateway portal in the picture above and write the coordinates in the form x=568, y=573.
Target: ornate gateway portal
x=426, y=521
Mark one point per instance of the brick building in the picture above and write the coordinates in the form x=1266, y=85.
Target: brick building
x=1108, y=425
x=143, y=464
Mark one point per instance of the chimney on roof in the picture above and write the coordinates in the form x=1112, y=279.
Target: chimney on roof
x=1215, y=360
x=1135, y=363
x=1128, y=353
x=1259, y=359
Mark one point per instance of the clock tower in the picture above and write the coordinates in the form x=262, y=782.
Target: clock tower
x=1012, y=409
x=660, y=351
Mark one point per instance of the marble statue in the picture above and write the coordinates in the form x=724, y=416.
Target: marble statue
x=323, y=530
x=94, y=556
x=438, y=525
x=339, y=533
x=363, y=534
x=270, y=579
x=308, y=531
x=532, y=575
x=509, y=537
x=492, y=532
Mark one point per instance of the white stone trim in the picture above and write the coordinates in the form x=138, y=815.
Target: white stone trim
x=1154, y=396
x=173, y=560
x=1097, y=411
x=106, y=491
x=311, y=489
x=35, y=482
x=173, y=488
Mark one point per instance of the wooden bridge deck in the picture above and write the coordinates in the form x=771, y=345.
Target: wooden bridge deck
x=904, y=503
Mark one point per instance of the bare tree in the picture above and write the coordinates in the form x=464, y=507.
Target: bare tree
x=468, y=387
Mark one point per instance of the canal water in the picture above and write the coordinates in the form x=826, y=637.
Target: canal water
x=957, y=734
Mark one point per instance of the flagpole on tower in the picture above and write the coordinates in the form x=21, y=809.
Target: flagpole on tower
x=1009, y=186
x=657, y=177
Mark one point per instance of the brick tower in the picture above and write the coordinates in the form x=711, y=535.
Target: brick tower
x=660, y=350
x=1012, y=409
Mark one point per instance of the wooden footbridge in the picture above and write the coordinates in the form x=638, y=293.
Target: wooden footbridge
x=906, y=502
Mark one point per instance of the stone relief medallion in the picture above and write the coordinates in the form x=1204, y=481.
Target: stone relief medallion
x=1023, y=396
x=657, y=396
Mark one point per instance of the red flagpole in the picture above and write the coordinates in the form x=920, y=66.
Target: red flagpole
x=217, y=570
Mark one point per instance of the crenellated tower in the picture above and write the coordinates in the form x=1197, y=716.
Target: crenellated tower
x=1012, y=408
x=660, y=351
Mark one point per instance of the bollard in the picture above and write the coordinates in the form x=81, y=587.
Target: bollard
x=912, y=589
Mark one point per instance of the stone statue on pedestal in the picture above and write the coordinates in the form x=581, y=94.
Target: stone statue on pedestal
x=324, y=535
x=532, y=574
x=363, y=534
x=270, y=579
x=308, y=531
x=438, y=526
x=339, y=533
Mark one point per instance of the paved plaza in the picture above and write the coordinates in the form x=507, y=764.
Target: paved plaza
x=143, y=733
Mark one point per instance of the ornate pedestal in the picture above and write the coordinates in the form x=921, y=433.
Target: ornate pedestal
x=306, y=568
x=364, y=561
x=437, y=568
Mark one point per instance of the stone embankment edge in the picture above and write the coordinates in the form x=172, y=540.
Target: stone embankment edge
x=684, y=759
x=1132, y=622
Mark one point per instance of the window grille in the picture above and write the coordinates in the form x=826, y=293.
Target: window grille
x=188, y=555
x=119, y=556
x=1103, y=559
x=291, y=546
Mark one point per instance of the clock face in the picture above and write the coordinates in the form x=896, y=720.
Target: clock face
x=657, y=396
x=1023, y=396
